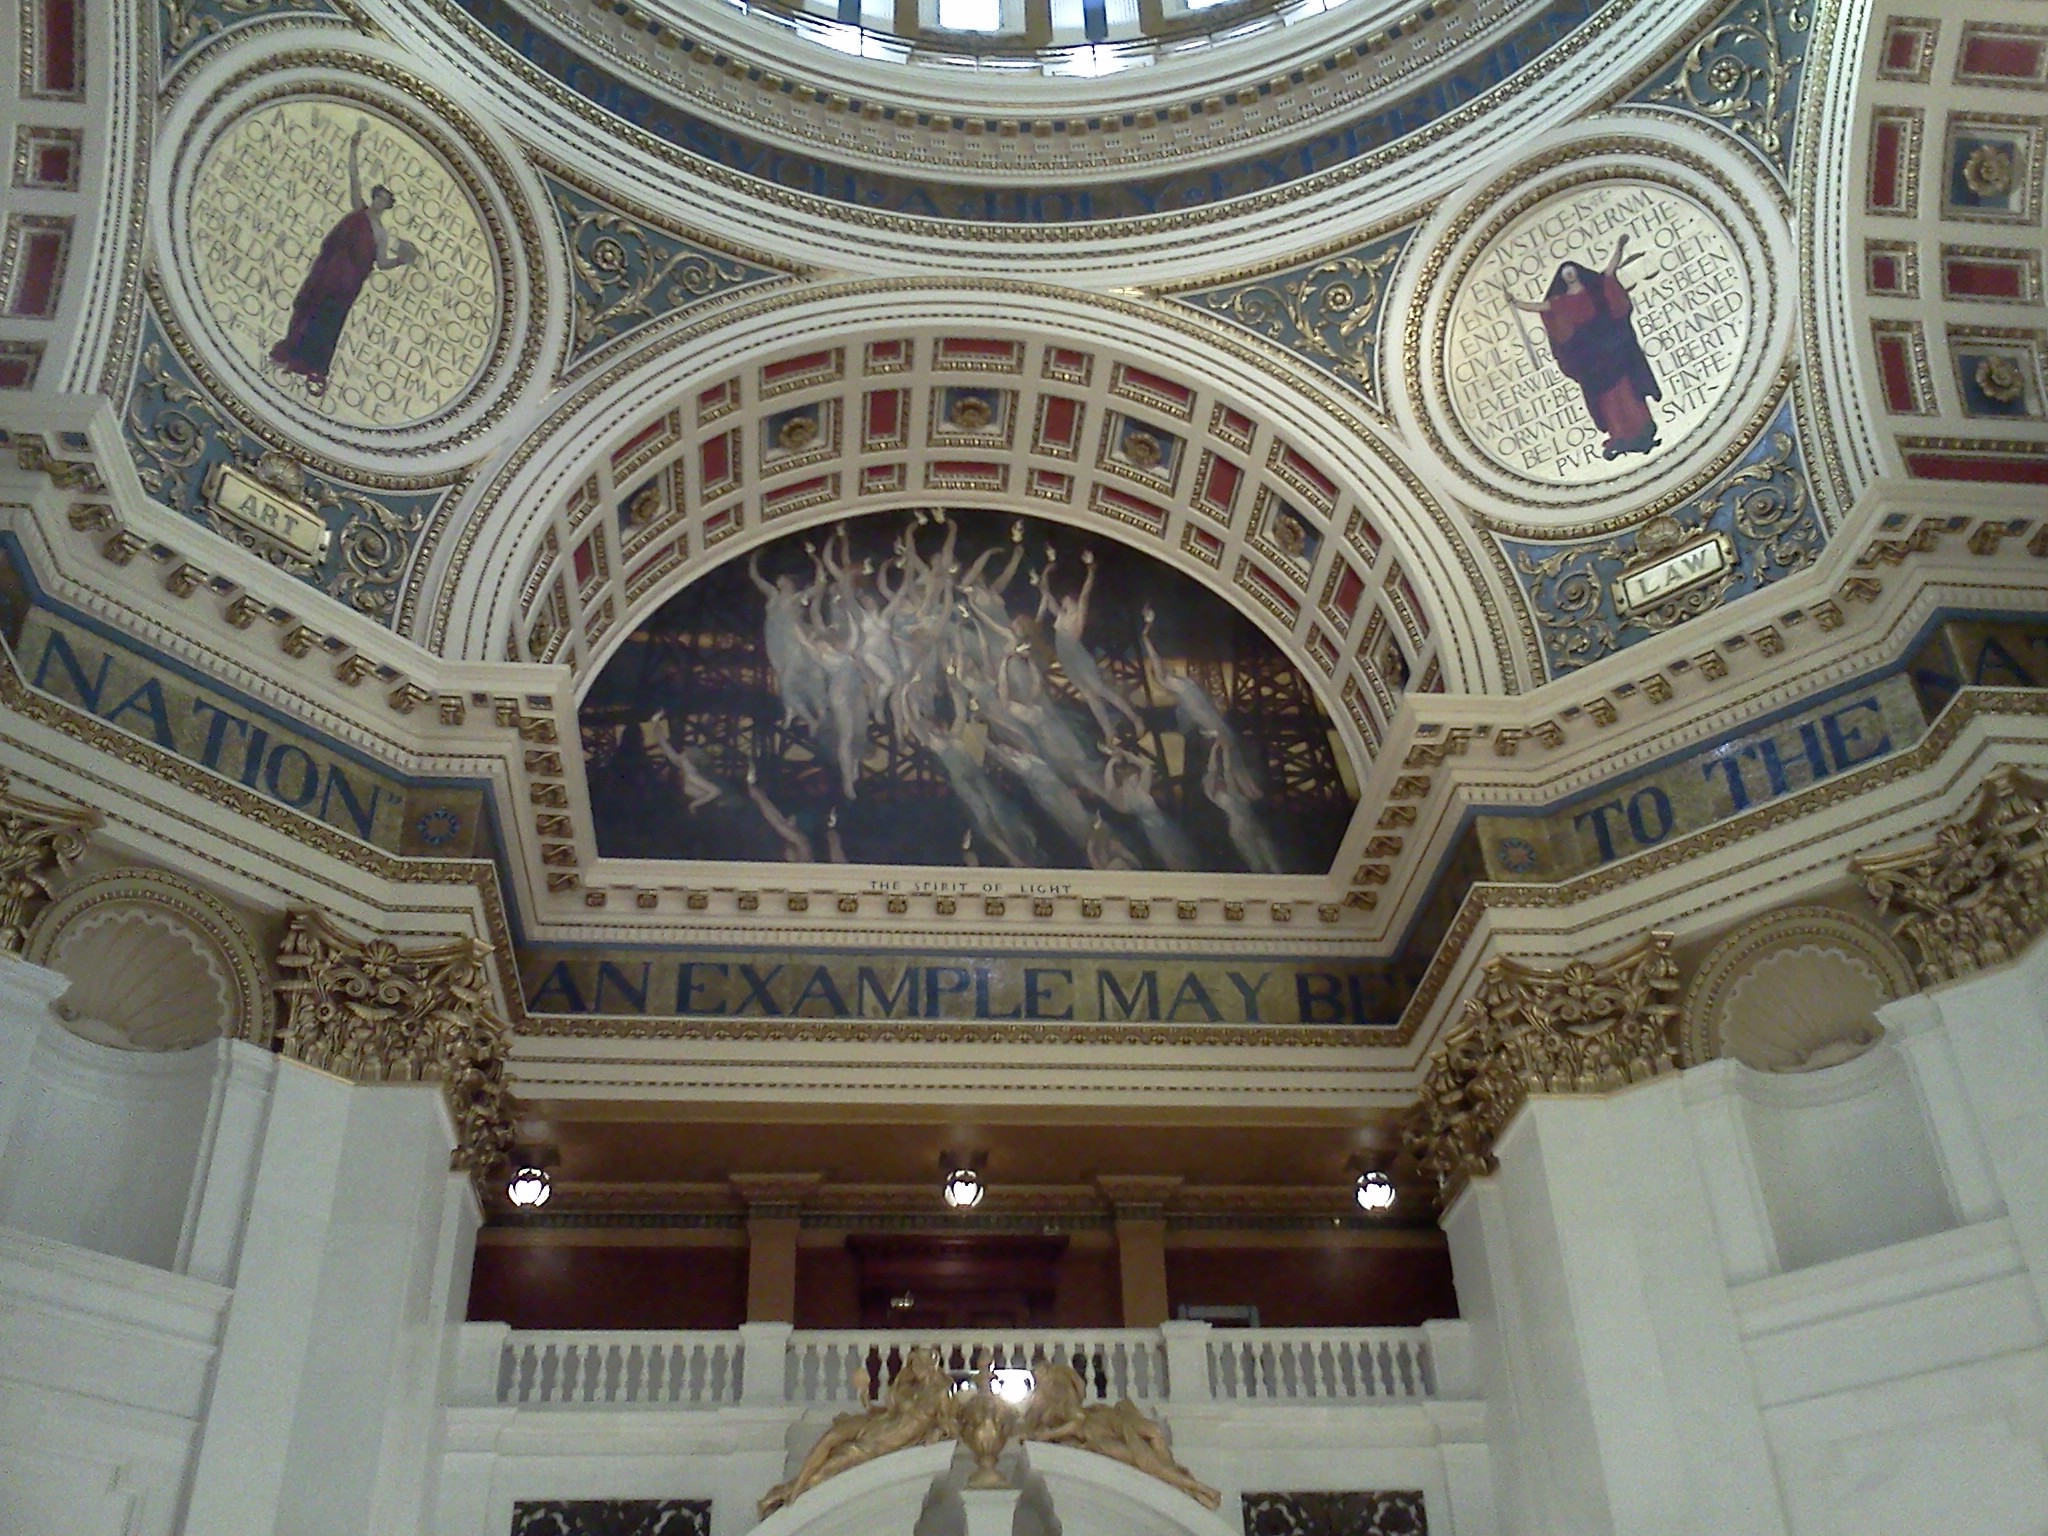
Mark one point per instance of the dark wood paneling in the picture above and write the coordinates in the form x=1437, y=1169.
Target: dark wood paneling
x=610, y=1287
x=1393, y=1287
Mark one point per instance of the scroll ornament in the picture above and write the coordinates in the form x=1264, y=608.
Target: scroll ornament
x=1978, y=893
x=38, y=842
x=1584, y=1028
x=921, y=1407
x=369, y=1011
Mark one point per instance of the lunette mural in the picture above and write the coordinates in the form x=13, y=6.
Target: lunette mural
x=960, y=689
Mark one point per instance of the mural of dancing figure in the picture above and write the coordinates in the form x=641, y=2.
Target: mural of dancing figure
x=1198, y=715
x=796, y=848
x=356, y=246
x=699, y=787
x=1246, y=833
x=1069, y=623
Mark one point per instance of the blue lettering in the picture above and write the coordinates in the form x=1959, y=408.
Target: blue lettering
x=1038, y=998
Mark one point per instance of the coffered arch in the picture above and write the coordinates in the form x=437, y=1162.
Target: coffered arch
x=1277, y=495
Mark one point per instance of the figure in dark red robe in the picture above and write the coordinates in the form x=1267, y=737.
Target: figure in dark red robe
x=1586, y=315
x=357, y=246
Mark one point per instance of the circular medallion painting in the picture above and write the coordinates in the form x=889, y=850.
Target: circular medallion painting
x=344, y=262
x=1595, y=332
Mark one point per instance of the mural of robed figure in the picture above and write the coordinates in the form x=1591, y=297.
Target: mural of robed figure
x=1588, y=318
x=358, y=245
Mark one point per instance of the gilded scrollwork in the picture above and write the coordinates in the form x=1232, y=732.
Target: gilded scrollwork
x=182, y=23
x=38, y=842
x=1327, y=312
x=1763, y=512
x=177, y=434
x=1742, y=73
x=627, y=272
x=1583, y=1028
x=372, y=1012
x=1977, y=893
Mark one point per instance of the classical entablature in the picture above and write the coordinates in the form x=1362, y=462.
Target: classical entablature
x=1527, y=479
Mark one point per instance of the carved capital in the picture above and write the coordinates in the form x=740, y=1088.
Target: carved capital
x=38, y=842
x=1975, y=895
x=367, y=1010
x=1584, y=1028
x=1138, y=1196
x=776, y=1194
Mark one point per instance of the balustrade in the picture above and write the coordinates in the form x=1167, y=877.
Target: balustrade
x=850, y=1368
x=1317, y=1364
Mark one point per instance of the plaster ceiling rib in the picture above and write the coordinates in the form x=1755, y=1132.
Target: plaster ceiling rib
x=1244, y=231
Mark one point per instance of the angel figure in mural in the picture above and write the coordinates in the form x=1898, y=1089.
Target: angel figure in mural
x=1069, y=621
x=700, y=788
x=1588, y=317
x=796, y=847
x=1198, y=715
x=1247, y=834
x=358, y=245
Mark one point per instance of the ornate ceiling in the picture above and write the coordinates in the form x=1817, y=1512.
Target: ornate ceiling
x=1537, y=392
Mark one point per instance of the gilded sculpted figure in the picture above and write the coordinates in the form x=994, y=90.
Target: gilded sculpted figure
x=920, y=1409
x=1059, y=1413
x=916, y=1410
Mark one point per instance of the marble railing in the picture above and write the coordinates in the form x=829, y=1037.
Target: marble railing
x=763, y=1363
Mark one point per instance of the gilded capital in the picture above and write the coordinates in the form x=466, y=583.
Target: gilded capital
x=1977, y=893
x=1583, y=1028
x=370, y=1011
x=38, y=842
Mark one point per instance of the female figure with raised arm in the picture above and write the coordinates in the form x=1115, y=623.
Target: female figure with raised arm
x=1069, y=624
x=358, y=245
x=799, y=676
x=1587, y=317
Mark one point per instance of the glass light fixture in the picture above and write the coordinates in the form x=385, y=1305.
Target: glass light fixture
x=963, y=1189
x=1375, y=1192
x=529, y=1187
x=1012, y=1383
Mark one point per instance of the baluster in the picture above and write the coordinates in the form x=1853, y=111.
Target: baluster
x=1386, y=1368
x=508, y=1372
x=721, y=1369
x=569, y=1383
x=1269, y=1371
x=1347, y=1368
x=549, y=1377
x=1425, y=1367
x=1407, y=1359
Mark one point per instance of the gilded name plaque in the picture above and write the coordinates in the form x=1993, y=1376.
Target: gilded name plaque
x=248, y=503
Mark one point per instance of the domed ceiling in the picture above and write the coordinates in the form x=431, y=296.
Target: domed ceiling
x=852, y=542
